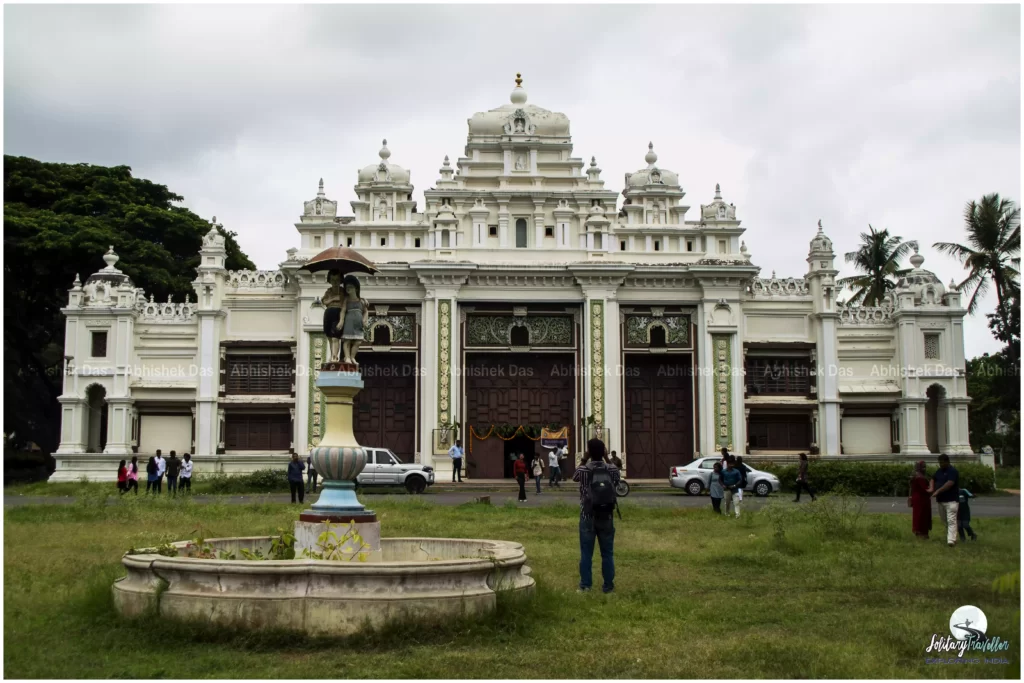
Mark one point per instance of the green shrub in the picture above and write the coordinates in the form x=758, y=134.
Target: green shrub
x=873, y=478
x=837, y=514
x=260, y=481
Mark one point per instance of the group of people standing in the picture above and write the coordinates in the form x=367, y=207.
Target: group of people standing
x=178, y=473
x=954, y=505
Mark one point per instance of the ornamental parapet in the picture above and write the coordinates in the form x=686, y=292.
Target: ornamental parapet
x=778, y=287
x=850, y=315
x=152, y=312
x=257, y=279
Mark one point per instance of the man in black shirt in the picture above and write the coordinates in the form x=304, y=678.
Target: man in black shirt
x=946, y=486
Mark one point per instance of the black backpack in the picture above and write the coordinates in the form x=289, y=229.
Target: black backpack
x=602, y=491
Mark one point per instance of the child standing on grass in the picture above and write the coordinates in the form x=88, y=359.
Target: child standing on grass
x=963, y=516
x=716, y=488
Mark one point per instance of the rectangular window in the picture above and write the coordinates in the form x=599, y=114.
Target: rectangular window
x=689, y=245
x=383, y=241
x=349, y=243
x=257, y=432
x=316, y=241
x=259, y=374
x=417, y=243
x=445, y=239
x=931, y=346
x=99, y=344
x=492, y=230
x=721, y=247
x=549, y=231
x=657, y=245
x=622, y=245
x=781, y=432
x=788, y=376
x=598, y=240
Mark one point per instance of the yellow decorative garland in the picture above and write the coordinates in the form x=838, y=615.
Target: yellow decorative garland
x=472, y=433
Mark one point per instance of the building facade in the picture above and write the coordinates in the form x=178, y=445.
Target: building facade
x=524, y=294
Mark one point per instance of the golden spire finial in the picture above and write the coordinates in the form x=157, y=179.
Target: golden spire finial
x=519, y=80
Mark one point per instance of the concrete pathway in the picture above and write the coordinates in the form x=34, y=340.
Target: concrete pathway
x=985, y=506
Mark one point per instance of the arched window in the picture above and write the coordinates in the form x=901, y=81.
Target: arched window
x=520, y=336
x=658, y=337
x=381, y=335
x=521, y=233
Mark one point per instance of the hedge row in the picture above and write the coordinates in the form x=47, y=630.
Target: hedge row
x=260, y=481
x=873, y=478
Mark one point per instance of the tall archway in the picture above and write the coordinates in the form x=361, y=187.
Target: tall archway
x=96, y=404
x=521, y=233
x=935, y=419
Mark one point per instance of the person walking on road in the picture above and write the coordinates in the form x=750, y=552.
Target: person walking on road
x=520, y=470
x=538, y=471
x=455, y=453
x=554, y=471
x=946, y=490
x=801, y=480
x=597, y=480
x=731, y=483
x=295, y=478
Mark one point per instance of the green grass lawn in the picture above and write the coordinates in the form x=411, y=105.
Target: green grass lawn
x=697, y=596
x=1008, y=478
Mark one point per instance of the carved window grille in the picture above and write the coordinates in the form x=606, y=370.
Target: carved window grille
x=258, y=432
x=259, y=374
x=775, y=376
x=931, y=347
x=99, y=344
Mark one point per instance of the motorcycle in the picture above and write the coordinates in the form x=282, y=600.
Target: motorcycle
x=622, y=488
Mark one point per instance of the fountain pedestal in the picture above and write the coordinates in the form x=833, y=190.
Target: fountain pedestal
x=338, y=459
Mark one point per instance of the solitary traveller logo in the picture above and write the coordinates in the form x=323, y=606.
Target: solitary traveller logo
x=968, y=633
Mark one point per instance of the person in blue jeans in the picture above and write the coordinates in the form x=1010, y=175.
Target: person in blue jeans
x=595, y=528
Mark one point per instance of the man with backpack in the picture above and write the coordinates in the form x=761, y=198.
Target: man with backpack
x=597, y=480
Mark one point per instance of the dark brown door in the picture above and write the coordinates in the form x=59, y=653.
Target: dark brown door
x=384, y=412
x=659, y=415
x=516, y=389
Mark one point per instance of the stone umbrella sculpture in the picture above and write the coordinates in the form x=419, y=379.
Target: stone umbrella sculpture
x=339, y=458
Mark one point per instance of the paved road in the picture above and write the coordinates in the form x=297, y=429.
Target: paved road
x=987, y=506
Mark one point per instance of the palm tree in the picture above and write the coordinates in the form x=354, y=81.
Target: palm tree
x=992, y=251
x=878, y=259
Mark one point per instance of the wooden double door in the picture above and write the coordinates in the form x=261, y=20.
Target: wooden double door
x=659, y=414
x=384, y=412
x=517, y=389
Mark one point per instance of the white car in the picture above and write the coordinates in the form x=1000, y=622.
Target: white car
x=384, y=468
x=696, y=477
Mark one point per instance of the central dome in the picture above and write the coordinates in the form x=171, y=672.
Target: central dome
x=532, y=120
x=384, y=171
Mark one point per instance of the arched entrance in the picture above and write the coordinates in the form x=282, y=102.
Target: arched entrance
x=96, y=420
x=935, y=419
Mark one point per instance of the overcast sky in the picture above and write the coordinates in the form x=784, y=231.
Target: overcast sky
x=890, y=115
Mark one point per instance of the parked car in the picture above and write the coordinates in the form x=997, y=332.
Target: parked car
x=384, y=468
x=696, y=477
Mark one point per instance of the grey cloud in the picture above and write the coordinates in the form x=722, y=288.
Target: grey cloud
x=889, y=115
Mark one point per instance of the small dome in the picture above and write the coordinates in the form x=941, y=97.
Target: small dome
x=383, y=171
x=821, y=242
x=652, y=175
x=925, y=285
x=110, y=273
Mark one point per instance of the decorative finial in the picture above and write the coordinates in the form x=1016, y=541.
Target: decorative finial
x=820, y=229
x=384, y=152
x=650, y=157
x=916, y=260
x=519, y=80
x=743, y=247
x=446, y=162
x=110, y=258
x=952, y=284
x=773, y=274
x=321, y=191
x=593, y=161
x=518, y=96
x=718, y=191
x=78, y=282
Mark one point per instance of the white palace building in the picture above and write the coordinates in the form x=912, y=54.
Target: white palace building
x=523, y=293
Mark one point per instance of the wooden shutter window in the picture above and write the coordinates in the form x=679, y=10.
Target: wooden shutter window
x=259, y=374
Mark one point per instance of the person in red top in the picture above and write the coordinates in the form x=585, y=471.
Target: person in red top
x=122, y=478
x=520, y=471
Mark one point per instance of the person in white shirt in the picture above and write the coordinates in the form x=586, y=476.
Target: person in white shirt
x=554, y=471
x=161, y=467
x=185, y=480
x=455, y=453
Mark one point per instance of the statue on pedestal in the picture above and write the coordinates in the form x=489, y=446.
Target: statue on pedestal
x=345, y=318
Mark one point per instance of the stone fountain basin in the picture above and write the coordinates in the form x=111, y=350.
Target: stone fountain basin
x=414, y=578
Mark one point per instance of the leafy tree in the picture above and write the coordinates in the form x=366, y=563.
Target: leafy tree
x=878, y=260
x=59, y=220
x=991, y=253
